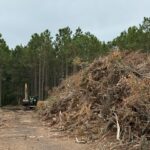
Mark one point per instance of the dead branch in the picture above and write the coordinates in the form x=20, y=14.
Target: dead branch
x=80, y=141
x=118, y=127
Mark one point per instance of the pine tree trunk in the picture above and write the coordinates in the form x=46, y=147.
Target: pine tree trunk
x=35, y=82
x=54, y=77
x=66, y=69
x=46, y=82
x=0, y=88
x=39, y=79
x=42, y=81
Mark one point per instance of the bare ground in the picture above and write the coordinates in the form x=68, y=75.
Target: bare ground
x=22, y=130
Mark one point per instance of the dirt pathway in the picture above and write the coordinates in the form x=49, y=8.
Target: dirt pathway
x=21, y=130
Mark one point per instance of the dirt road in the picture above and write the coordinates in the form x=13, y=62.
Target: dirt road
x=22, y=130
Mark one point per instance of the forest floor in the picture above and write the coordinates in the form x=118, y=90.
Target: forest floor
x=22, y=130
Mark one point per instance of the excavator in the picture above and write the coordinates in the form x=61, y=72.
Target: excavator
x=29, y=102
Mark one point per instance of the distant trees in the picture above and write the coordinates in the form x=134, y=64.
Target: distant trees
x=40, y=58
x=63, y=46
x=145, y=30
x=87, y=46
x=45, y=61
x=135, y=37
x=4, y=61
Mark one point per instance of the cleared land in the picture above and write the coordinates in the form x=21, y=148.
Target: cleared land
x=22, y=130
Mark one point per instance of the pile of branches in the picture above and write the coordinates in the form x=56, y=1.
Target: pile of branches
x=112, y=96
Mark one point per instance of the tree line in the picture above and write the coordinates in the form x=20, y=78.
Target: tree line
x=45, y=61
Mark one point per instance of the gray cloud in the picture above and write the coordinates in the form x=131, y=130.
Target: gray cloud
x=104, y=18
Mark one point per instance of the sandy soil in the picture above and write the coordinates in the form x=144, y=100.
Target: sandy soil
x=22, y=130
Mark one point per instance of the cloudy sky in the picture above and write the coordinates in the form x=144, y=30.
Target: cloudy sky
x=19, y=19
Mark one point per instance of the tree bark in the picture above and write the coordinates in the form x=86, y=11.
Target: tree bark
x=0, y=88
x=46, y=81
x=39, y=79
x=35, y=81
x=66, y=69
x=42, y=81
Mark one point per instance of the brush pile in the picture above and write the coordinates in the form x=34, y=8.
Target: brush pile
x=111, y=96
